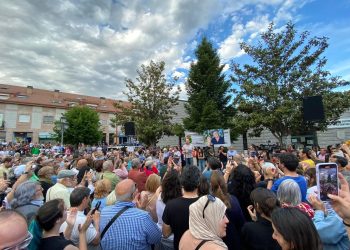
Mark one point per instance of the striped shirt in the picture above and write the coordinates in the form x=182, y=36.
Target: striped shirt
x=133, y=229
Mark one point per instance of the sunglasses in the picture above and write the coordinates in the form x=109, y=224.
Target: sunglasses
x=210, y=198
x=22, y=245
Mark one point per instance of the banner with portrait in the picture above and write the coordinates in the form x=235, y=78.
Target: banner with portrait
x=212, y=137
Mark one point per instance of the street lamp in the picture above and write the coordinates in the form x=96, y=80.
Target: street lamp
x=63, y=122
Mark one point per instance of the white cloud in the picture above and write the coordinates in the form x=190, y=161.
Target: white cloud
x=90, y=47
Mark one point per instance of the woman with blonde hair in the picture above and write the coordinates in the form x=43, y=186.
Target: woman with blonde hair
x=149, y=196
x=207, y=225
x=102, y=190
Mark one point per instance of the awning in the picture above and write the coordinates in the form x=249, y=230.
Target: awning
x=45, y=135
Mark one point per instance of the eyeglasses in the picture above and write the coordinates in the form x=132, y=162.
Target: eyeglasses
x=210, y=198
x=22, y=245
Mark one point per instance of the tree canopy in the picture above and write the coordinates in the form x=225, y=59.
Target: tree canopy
x=287, y=67
x=82, y=125
x=151, y=101
x=208, y=104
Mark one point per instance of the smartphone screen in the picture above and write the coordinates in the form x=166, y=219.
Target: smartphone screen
x=327, y=180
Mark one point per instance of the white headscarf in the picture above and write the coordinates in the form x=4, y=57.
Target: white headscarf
x=207, y=228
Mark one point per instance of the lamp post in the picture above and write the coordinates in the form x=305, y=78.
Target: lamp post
x=63, y=122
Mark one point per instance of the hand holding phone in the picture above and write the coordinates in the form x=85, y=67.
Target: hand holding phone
x=97, y=207
x=327, y=180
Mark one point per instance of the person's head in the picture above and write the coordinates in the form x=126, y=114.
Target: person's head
x=208, y=218
x=67, y=178
x=242, y=183
x=216, y=134
x=13, y=230
x=108, y=166
x=342, y=162
x=305, y=153
x=204, y=187
x=190, y=178
x=135, y=163
x=171, y=187
x=125, y=189
x=102, y=188
x=46, y=172
x=187, y=141
x=51, y=214
x=219, y=188
x=97, y=164
x=323, y=151
x=80, y=197
x=293, y=229
x=214, y=163
x=289, y=192
x=27, y=192
x=264, y=201
x=310, y=175
x=152, y=183
x=82, y=163
x=288, y=161
x=7, y=161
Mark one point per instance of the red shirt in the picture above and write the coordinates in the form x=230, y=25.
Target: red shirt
x=139, y=178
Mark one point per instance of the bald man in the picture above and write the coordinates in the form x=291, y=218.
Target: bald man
x=135, y=227
x=10, y=219
x=82, y=167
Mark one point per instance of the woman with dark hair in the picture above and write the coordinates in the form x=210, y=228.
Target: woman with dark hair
x=204, y=187
x=170, y=189
x=50, y=217
x=240, y=184
x=305, y=156
x=293, y=229
x=258, y=234
x=234, y=212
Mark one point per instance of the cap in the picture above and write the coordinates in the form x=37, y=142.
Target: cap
x=65, y=173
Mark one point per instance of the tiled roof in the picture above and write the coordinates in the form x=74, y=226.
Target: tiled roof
x=11, y=94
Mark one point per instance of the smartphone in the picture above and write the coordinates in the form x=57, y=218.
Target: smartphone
x=252, y=154
x=5, y=176
x=327, y=180
x=97, y=207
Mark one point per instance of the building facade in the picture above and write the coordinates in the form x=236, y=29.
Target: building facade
x=28, y=114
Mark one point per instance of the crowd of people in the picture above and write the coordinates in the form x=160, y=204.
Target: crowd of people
x=171, y=198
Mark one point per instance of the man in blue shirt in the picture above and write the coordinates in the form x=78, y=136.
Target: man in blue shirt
x=134, y=228
x=288, y=164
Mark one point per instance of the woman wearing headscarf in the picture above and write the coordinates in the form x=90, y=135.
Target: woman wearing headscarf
x=207, y=225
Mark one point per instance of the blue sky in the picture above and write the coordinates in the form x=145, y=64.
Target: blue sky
x=90, y=47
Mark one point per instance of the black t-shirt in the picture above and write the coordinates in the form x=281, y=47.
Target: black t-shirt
x=258, y=235
x=176, y=215
x=54, y=243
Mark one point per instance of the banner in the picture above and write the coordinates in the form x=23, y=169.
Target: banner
x=215, y=137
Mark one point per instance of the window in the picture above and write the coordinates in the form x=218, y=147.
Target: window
x=24, y=118
x=47, y=119
x=92, y=106
x=4, y=96
x=72, y=104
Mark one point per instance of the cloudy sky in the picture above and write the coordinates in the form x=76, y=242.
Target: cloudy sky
x=90, y=47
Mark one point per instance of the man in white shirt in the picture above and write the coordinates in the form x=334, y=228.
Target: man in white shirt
x=187, y=149
x=80, y=199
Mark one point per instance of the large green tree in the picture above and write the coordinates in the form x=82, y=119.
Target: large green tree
x=82, y=125
x=151, y=101
x=287, y=67
x=208, y=104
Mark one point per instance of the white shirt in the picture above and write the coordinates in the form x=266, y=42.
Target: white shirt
x=90, y=233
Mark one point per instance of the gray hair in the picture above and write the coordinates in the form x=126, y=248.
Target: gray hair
x=127, y=196
x=135, y=163
x=24, y=193
x=107, y=165
x=289, y=192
